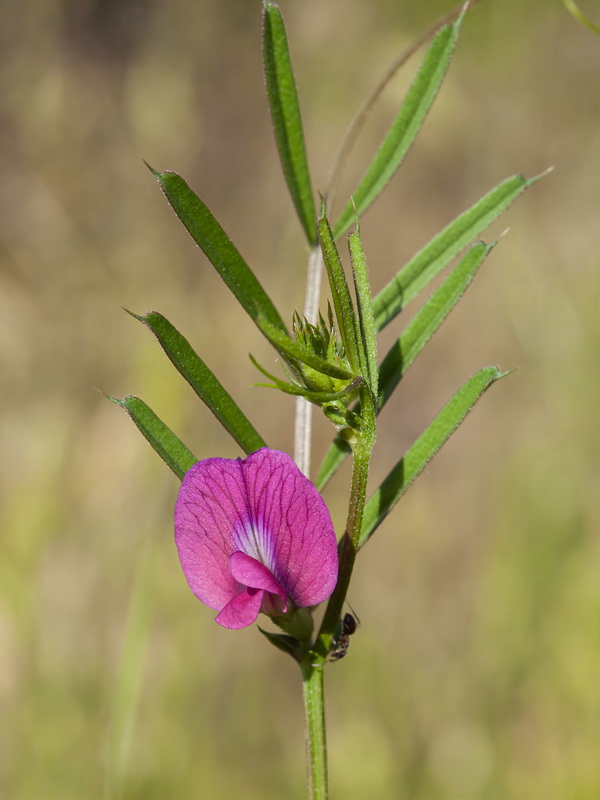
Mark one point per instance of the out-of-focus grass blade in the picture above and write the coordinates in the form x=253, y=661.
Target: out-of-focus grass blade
x=285, y=113
x=574, y=9
x=206, y=385
x=218, y=247
x=438, y=253
x=364, y=302
x=424, y=449
x=168, y=446
x=427, y=320
x=342, y=299
x=403, y=353
x=405, y=127
x=130, y=676
x=295, y=351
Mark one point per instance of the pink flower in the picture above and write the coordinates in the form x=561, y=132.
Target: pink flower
x=254, y=534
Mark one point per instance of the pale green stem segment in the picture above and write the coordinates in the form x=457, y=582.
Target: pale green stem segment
x=316, y=744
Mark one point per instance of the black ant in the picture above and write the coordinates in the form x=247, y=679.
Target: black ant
x=341, y=641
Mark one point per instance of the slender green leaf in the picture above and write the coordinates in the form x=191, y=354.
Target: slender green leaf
x=440, y=251
x=405, y=127
x=364, y=303
x=424, y=449
x=427, y=320
x=295, y=351
x=203, y=382
x=218, y=247
x=342, y=299
x=403, y=353
x=285, y=113
x=168, y=446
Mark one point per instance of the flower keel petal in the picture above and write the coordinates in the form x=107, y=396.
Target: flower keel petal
x=242, y=610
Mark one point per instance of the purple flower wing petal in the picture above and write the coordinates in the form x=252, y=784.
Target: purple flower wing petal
x=250, y=572
x=242, y=610
x=212, y=503
x=295, y=534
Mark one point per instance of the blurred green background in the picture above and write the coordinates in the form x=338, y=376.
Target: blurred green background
x=475, y=673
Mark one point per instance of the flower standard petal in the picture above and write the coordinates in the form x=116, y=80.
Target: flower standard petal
x=212, y=503
x=254, y=524
x=295, y=526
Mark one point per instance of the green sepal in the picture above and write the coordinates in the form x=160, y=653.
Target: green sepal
x=285, y=114
x=439, y=252
x=424, y=449
x=203, y=381
x=168, y=446
x=297, y=623
x=287, y=644
x=300, y=391
x=218, y=247
x=405, y=126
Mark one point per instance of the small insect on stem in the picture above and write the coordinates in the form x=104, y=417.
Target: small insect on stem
x=341, y=641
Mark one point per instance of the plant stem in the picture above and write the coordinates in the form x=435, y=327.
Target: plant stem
x=313, y=661
x=316, y=745
x=348, y=547
x=303, y=421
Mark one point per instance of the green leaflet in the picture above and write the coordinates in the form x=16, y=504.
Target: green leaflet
x=405, y=127
x=438, y=253
x=342, y=299
x=424, y=449
x=203, y=381
x=427, y=320
x=366, y=333
x=168, y=446
x=218, y=247
x=285, y=113
x=413, y=339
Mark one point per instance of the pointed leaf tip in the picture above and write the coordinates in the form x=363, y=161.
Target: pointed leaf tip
x=152, y=170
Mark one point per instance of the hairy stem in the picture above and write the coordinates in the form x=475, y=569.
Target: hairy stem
x=316, y=744
x=348, y=547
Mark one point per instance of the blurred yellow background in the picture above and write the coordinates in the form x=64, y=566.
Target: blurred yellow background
x=475, y=673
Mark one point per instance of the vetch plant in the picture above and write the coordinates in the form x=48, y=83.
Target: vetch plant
x=253, y=534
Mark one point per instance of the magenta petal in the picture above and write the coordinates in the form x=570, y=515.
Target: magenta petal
x=250, y=572
x=242, y=610
x=212, y=503
x=294, y=527
x=262, y=509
